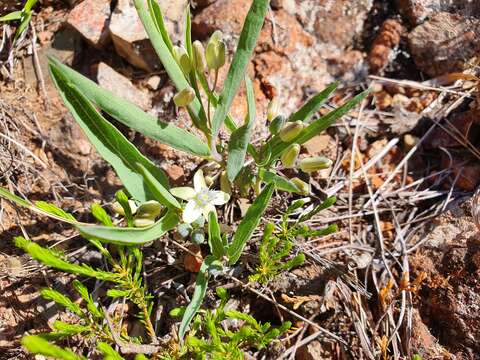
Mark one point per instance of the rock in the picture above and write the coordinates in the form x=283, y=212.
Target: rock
x=312, y=351
x=91, y=18
x=316, y=145
x=192, y=263
x=416, y=11
x=131, y=40
x=153, y=83
x=384, y=45
x=445, y=43
x=449, y=296
x=333, y=22
x=175, y=173
x=119, y=85
x=225, y=15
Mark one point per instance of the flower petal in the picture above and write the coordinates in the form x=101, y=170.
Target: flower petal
x=199, y=181
x=219, y=197
x=184, y=192
x=191, y=212
x=207, y=209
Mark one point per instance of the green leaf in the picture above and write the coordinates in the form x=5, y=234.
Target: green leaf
x=59, y=298
x=100, y=214
x=174, y=72
x=249, y=223
x=131, y=115
x=158, y=190
x=280, y=182
x=188, y=32
x=108, y=140
x=108, y=352
x=37, y=345
x=54, y=210
x=214, y=236
x=85, y=295
x=29, y=5
x=316, y=127
x=198, y=295
x=25, y=21
x=22, y=202
x=324, y=205
x=70, y=329
x=52, y=259
x=240, y=138
x=157, y=16
x=130, y=236
x=15, y=15
x=246, y=44
x=310, y=108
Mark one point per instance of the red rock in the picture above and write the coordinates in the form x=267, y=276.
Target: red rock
x=91, y=19
x=175, y=173
x=225, y=15
x=193, y=263
x=416, y=11
x=445, y=43
x=118, y=84
x=333, y=22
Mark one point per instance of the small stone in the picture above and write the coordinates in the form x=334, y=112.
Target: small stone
x=192, y=263
x=91, y=18
x=384, y=45
x=175, y=173
x=416, y=11
x=130, y=39
x=153, y=83
x=119, y=85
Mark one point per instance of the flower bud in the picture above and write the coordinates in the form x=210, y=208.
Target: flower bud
x=199, y=61
x=291, y=130
x=184, y=230
x=273, y=109
x=182, y=58
x=143, y=222
x=301, y=185
x=315, y=163
x=150, y=209
x=290, y=155
x=198, y=236
x=118, y=209
x=184, y=97
x=277, y=124
x=215, y=52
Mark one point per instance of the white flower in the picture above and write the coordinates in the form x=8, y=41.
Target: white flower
x=200, y=199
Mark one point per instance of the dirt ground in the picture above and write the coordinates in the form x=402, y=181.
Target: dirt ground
x=401, y=275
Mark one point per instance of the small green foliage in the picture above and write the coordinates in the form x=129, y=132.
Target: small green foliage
x=209, y=338
x=38, y=345
x=277, y=244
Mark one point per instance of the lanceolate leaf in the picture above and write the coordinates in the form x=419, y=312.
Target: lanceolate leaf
x=108, y=140
x=246, y=45
x=157, y=16
x=130, y=236
x=280, y=182
x=19, y=201
x=15, y=15
x=316, y=127
x=157, y=189
x=214, y=236
x=131, y=115
x=171, y=67
x=249, y=223
x=237, y=146
x=308, y=110
x=198, y=295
